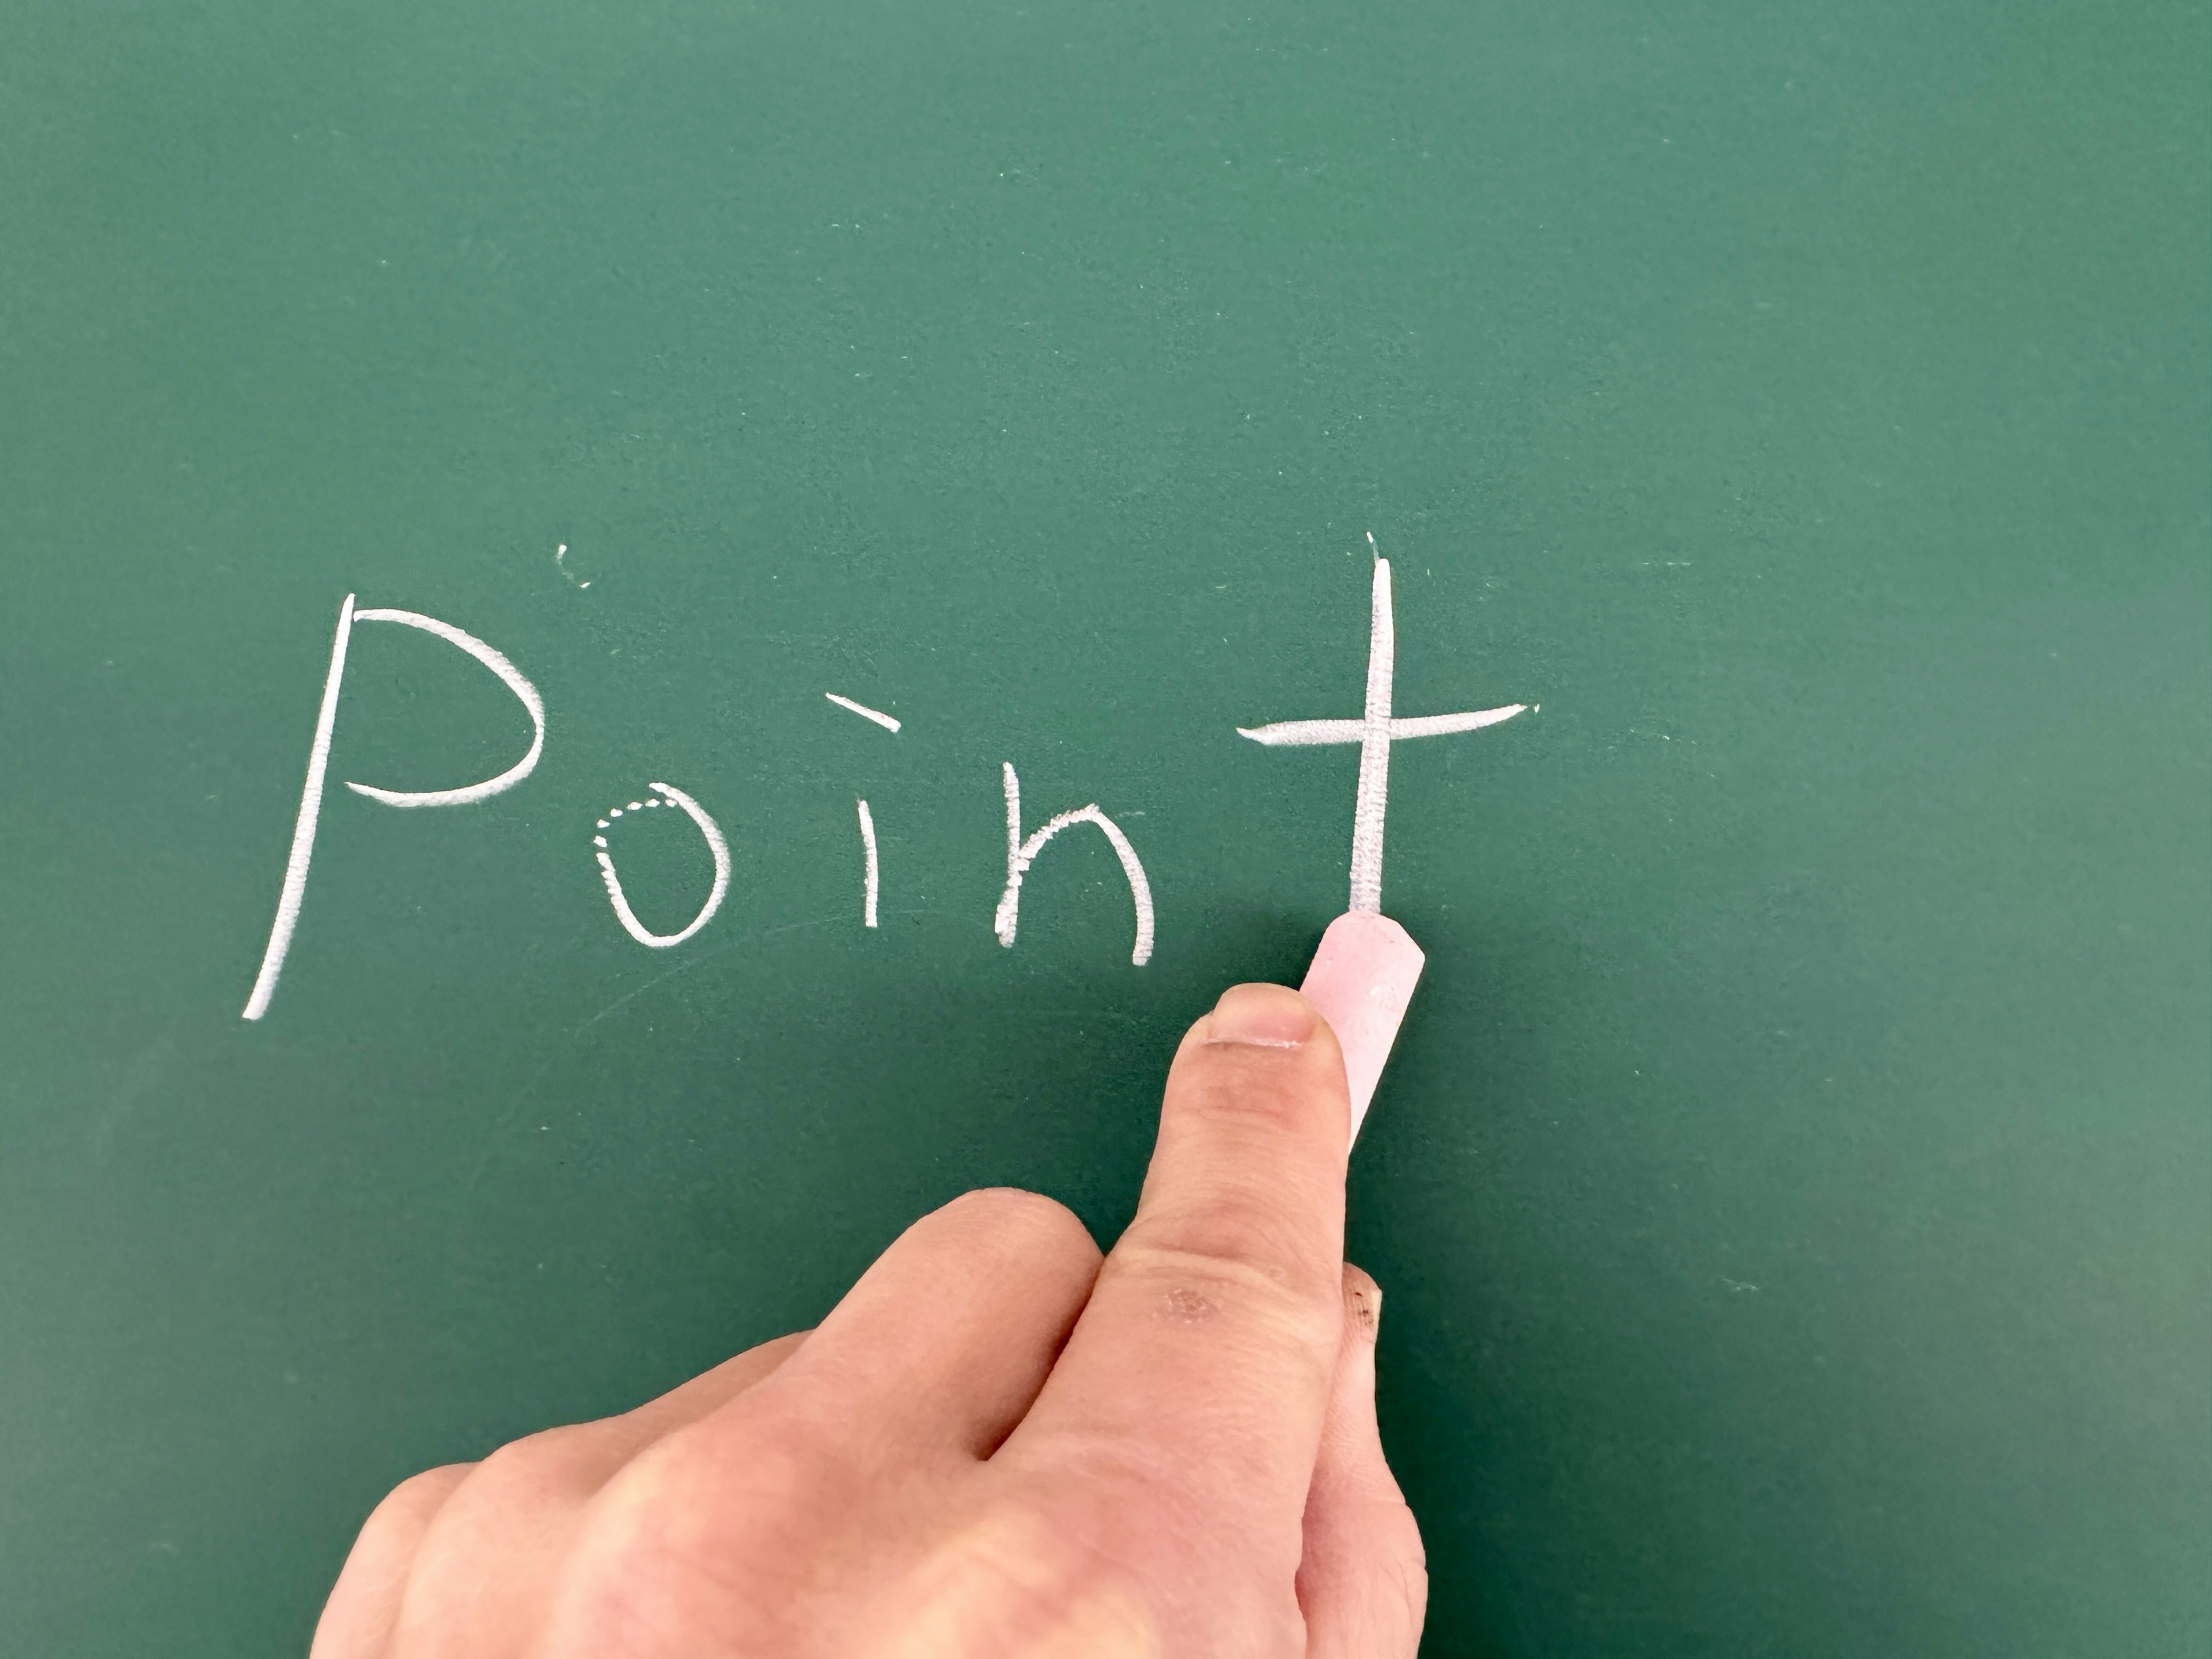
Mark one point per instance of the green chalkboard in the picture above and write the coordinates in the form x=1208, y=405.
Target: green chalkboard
x=1790, y=1187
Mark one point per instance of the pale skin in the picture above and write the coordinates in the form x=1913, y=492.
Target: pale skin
x=999, y=1445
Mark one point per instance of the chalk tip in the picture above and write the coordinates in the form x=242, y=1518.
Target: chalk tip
x=1361, y=982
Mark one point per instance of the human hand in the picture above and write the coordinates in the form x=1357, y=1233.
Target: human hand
x=997, y=1446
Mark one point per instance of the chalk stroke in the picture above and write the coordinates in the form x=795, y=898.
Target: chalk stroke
x=887, y=722
x=869, y=877
x=509, y=677
x=1375, y=731
x=690, y=960
x=715, y=845
x=294, y=890
x=560, y=556
x=1020, y=854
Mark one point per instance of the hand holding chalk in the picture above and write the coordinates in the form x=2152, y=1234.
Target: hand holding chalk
x=998, y=1441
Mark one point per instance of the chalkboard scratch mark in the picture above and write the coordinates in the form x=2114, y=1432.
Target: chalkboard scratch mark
x=560, y=557
x=1087, y=1008
x=1735, y=1283
x=704, y=957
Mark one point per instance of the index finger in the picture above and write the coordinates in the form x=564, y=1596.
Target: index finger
x=1201, y=1365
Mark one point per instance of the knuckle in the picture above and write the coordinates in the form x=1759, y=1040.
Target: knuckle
x=1024, y=1222
x=1274, y=1085
x=634, y=1549
x=1049, y=1582
x=412, y=1504
x=1199, y=1268
x=1256, y=1235
x=704, y=1512
x=390, y=1537
x=766, y=1460
x=551, y=1466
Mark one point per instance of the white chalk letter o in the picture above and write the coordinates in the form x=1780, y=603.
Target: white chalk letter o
x=715, y=845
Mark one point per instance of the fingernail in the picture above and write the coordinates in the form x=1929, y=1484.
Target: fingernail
x=1362, y=1301
x=1264, y=1016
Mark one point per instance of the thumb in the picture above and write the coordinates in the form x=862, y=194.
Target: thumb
x=1362, y=1580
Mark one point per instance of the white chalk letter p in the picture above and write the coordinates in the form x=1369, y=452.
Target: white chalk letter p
x=319, y=755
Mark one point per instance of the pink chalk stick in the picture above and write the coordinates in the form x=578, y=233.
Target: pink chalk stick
x=1362, y=978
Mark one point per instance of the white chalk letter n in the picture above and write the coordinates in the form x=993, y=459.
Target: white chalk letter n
x=1020, y=854
x=319, y=755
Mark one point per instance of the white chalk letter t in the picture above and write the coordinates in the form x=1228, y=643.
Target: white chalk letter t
x=1375, y=729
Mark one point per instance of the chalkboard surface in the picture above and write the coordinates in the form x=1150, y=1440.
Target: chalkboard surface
x=1790, y=1187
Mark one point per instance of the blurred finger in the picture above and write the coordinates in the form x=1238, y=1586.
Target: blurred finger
x=1363, y=1581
